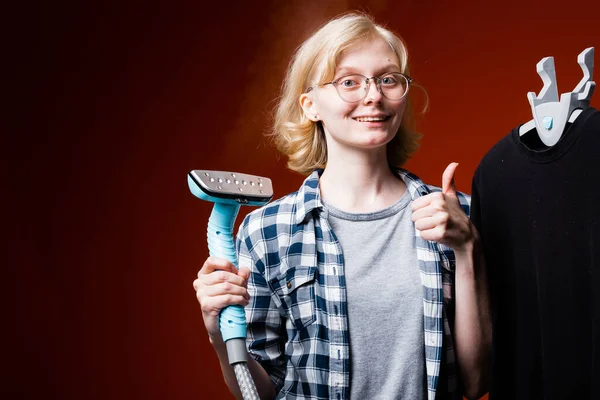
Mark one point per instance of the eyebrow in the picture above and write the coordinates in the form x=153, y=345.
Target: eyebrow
x=351, y=70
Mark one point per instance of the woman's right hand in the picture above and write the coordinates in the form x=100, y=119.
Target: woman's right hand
x=219, y=285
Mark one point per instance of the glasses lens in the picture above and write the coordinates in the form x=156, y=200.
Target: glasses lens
x=351, y=88
x=394, y=86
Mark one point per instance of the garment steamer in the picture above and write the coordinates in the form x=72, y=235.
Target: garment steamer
x=230, y=190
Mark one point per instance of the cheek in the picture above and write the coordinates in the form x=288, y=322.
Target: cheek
x=333, y=108
x=400, y=114
x=336, y=115
x=400, y=111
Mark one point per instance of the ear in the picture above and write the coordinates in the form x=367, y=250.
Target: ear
x=309, y=107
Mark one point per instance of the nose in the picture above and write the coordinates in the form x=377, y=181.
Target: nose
x=373, y=95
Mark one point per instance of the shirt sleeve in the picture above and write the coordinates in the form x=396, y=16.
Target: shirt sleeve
x=266, y=330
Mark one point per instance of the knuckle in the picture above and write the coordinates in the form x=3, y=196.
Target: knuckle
x=222, y=276
x=206, y=308
x=229, y=287
x=202, y=281
x=229, y=298
x=444, y=218
x=442, y=231
x=216, y=276
x=207, y=263
x=212, y=260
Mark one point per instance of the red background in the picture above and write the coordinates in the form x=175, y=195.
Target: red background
x=115, y=103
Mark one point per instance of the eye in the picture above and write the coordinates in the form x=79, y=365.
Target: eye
x=389, y=80
x=349, y=82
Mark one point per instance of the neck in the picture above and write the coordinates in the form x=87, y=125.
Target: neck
x=360, y=182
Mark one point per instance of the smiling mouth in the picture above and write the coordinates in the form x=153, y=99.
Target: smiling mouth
x=372, y=119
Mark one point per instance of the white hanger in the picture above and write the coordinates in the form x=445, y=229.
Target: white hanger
x=550, y=116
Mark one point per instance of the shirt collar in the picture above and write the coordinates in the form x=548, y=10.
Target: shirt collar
x=309, y=197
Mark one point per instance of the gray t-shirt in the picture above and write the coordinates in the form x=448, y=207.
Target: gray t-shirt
x=385, y=302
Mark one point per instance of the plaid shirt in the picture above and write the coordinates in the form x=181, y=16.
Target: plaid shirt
x=297, y=316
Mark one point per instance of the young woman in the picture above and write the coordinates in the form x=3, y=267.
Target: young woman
x=366, y=283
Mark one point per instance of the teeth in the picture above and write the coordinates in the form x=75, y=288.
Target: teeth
x=370, y=119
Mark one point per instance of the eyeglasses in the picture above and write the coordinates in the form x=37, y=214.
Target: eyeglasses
x=354, y=88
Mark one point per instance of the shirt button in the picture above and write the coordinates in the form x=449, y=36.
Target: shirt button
x=289, y=285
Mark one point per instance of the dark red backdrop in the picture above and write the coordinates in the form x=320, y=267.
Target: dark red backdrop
x=116, y=103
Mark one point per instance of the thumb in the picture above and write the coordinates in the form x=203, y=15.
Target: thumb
x=448, y=179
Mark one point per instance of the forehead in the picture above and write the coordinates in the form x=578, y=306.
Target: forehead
x=369, y=56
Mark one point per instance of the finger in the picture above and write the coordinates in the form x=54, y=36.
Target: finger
x=421, y=202
x=437, y=220
x=435, y=234
x=226, y=288
x=214, y=263
x=426, y=223
x=219, y=276
x=435, y=198
x=423, y=213
x=448, y=186
x=215, y=304
x=244, y=273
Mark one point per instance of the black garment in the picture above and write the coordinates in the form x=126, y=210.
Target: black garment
x=538, y=213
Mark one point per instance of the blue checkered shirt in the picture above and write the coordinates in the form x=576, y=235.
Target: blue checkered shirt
x=297, y=316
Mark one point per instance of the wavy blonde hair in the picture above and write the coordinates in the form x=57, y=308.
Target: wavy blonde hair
x=303, y=140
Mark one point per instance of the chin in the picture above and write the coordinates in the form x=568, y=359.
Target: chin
x=380, y=140
x=374, y=144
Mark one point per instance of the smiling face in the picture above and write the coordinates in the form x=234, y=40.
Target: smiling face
x=369, y=123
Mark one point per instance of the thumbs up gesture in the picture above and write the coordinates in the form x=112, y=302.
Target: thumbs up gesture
x=439, y=217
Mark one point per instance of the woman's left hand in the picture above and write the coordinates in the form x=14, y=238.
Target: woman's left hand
x=439, y=217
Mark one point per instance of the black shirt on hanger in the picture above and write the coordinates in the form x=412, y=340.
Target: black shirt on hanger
x=537, y=209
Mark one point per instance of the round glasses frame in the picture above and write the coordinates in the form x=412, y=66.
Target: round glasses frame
x=365, y=84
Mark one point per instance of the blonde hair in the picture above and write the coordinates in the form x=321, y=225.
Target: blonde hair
x=302, y=139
